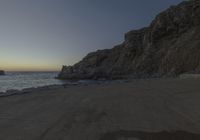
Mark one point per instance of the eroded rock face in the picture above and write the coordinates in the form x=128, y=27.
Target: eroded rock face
x=2, y=72
x=168, y=47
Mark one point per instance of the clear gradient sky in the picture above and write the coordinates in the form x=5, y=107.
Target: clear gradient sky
x=46, y=34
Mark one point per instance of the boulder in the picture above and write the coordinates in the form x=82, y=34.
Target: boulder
x=2, y=72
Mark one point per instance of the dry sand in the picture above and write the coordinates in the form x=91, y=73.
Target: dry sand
x=167, y=109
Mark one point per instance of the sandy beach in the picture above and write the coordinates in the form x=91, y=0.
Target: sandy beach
x=156, y=109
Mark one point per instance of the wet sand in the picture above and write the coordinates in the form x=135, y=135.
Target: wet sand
x=157, y=109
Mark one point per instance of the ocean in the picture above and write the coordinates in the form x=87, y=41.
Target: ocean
x=23, y=80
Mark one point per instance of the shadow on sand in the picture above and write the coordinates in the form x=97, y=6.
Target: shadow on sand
x=139, y=135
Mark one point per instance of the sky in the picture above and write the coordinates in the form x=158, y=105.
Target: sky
x=43, y=35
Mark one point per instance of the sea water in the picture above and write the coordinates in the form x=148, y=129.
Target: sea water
x=23, y=80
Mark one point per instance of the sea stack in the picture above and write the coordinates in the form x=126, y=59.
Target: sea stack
x=2, y=72
x=170, y=46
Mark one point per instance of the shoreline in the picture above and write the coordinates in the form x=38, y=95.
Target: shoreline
x=70, y=83
x=12, y=92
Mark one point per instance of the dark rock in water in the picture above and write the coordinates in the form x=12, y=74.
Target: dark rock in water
x=170, y=46
x=2, y=72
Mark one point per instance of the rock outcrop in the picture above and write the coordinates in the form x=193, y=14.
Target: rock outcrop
x=2, y=72
x=170, y=46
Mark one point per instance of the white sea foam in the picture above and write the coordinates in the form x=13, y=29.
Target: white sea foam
x=22, y=80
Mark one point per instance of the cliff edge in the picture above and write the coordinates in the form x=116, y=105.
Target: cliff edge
x=170, y=46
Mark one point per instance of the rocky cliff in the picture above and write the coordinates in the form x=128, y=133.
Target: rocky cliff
x=168, y=47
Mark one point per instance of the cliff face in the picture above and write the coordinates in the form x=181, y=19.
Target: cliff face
x=168, y=47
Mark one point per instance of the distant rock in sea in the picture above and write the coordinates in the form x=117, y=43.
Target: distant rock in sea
x=2, y=72
x=170, y=46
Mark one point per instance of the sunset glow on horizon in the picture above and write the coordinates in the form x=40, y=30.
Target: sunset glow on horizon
x=43, y=35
